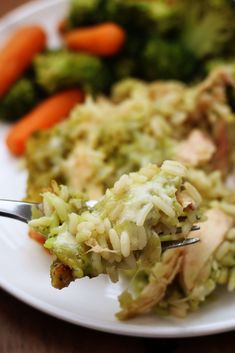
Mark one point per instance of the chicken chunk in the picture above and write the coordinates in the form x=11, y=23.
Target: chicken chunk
x=162, y=276
x=211, y=234
x=196, y=150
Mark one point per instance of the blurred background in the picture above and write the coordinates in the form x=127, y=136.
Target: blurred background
x=8, y=5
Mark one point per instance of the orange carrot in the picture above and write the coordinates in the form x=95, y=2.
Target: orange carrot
x=45, y=115
x=18, y=53
x=104, y=40
x=38, y=237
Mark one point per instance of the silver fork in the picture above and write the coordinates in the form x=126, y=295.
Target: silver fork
x=22, y=211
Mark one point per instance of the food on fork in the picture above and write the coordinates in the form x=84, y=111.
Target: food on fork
x=124, y=230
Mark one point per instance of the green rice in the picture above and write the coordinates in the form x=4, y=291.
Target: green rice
x=126, y=226
x=103, y=145
x=140, y=124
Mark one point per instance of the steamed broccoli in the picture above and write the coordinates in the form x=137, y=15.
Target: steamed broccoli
x=59, y=70
x=164, y=39
x=85, y=13
x=167, y=60
x=208, y=27
x=123, y=67
x=19, y=100
x=146, y=15
x=126, y=63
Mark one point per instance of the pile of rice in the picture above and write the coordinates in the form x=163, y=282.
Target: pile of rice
x=104, y=139
x=140, y=124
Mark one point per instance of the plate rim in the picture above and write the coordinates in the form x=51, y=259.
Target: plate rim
x=9, y=19
x=25, y=10
x=121, y=329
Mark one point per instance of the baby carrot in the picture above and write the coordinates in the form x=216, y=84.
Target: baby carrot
x=45, y=115
x=104, y=40
x=18, y=53
x=37, y=236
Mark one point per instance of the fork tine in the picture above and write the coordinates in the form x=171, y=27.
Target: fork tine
x=179, y=230
x=194, y=227
x=18, y=210
x=22, y=211
x=170, y=244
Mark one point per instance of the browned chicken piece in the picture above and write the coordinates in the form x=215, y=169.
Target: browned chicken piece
x=162, y=276
x=185, y=200
x=61, y=275
x=212, y=233
x=221, y=158
x=211, y=98
x=212, y=92
x=220, y=77
x=196, y=150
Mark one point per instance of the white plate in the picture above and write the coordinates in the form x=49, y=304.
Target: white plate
x=25, y=266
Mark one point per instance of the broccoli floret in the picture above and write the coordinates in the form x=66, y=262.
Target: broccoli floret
x=164, y=39
x=59, y=70
x=144, y=16
x=85, y=13
x=133, y=16
x=124, y=67
x=167, y=60
x=19, y=100
x=208, y=26
x=126, y=63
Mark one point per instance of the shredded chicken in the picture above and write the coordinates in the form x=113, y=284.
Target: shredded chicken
x=221, y=158
x=196, y=150
x=211, y=234
x=83, y=163
x=162, y=275
x=219, y=77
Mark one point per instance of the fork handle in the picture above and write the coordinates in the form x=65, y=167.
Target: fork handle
x=22, y=211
